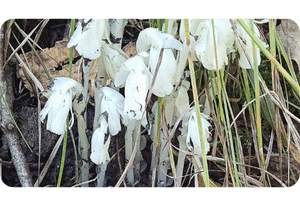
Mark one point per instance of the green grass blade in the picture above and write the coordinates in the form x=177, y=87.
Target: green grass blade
x=278, y=66
x=195, y=96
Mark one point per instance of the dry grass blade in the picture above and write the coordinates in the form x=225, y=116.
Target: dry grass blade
x=252, y=180
x=7, y=37
x=49, y=161
x=154, y=78
x=265, y=171
x=21, y=45
x=130, y=162
x=269, y=149
x=39, y=33
x=244, y=108
x=35, y=80
x=40, y=136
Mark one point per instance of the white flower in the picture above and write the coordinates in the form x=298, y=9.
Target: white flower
x=112, y=102
x=202, y=32
x=205, y=49
x=59, y=104
x=87, y=38
x=112, y=58
x=137, y=79
x=152, y=40
x=193, y=136
x=245, y=48
x=100, y=143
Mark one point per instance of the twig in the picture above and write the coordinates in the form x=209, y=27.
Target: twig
x=130, y=161
x=7, y=123
x=40, y=137
x=49, y=161
x=119, y=161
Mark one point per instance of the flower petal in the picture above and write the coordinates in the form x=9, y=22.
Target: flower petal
x=113, y=115
x=165, y=78
x=204, y=48
x=100, y=143
x=113, y=58
x=245, y=48
x=136, y=89
x=193, y=135
x=88, y=43
x=59, y=103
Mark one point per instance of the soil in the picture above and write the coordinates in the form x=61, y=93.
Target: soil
x=26, y=115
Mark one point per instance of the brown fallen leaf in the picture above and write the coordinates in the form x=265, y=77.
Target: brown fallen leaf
x=130, y=49
x=289, y=34
x=55, y=60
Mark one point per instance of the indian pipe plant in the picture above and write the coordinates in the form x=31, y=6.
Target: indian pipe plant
x=185, y=64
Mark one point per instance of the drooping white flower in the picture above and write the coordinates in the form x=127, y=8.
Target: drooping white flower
x=62, y=90
x=193, y=136
x=152, y=40
x=112, y=58
x=202, y=32
x=100, y=142
x=245, y=47
x=117, y=30
x=137, y=79
x=87, y=38
x=205, y=50
x=112, y=102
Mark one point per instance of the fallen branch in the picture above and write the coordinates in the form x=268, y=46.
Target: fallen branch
x=7, y=124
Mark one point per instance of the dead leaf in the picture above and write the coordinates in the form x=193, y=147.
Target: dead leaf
x=56, y=61
x=289, y=34
x=130, y=49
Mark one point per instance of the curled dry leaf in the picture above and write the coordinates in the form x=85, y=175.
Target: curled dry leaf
x=55, y=60
x=289, y=34
x=130, y=49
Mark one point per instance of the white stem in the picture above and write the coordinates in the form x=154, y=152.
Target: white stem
x=80, y=111
x=83, y=147
x=181, y=158
x=164, y=159
x=138, y=157
x=99, y=83
x=154, y=159
x=101, y=175
x=129, y=148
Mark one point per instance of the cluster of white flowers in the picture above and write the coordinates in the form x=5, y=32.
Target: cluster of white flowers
x=136, y=74
x=152, y=40
x=112, y=103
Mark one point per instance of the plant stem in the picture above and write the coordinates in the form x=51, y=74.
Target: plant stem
x=195, y=96
x=62, y=163
x=33, y=49
x=71, y=49
x=129, y=149
x=257, y=103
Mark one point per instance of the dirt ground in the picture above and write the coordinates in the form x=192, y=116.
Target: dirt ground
x=26, y=115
